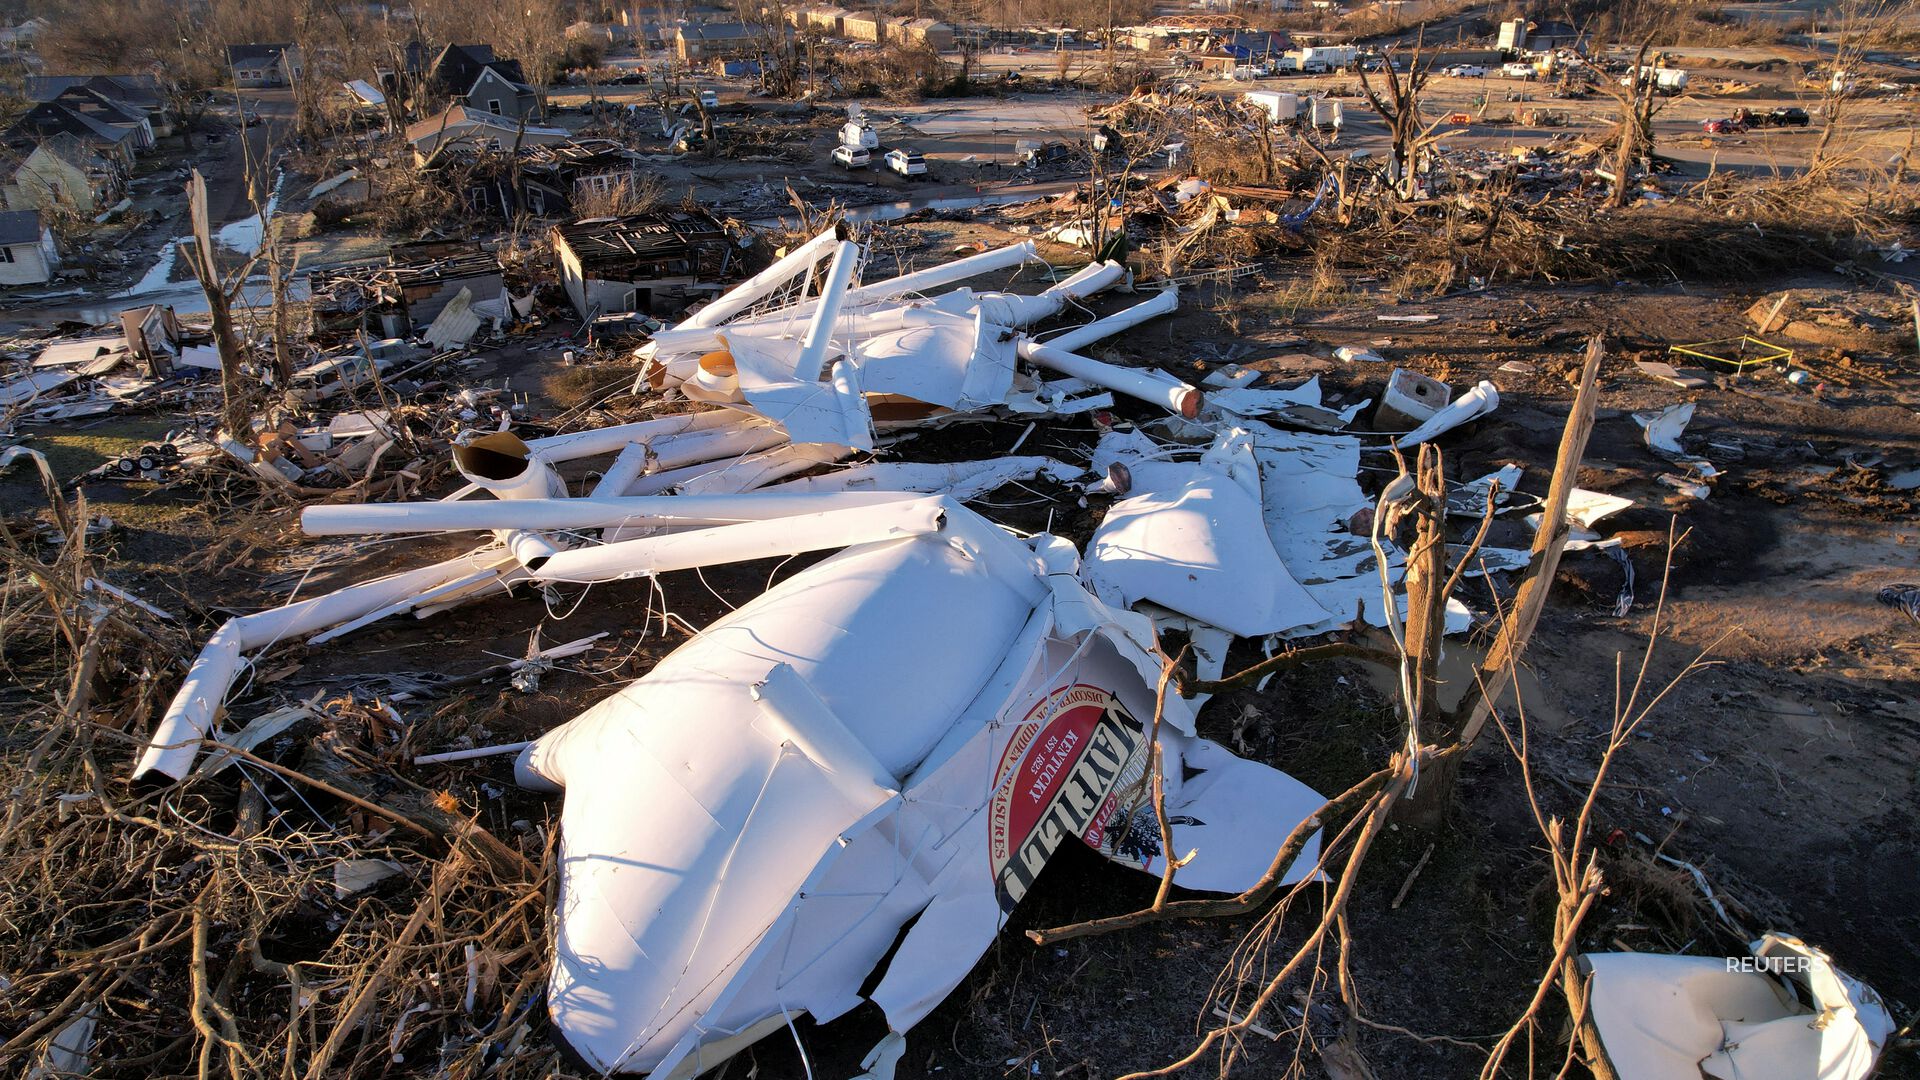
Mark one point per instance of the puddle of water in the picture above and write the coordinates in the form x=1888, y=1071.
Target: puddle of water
x=156, y=276
x=246, y=234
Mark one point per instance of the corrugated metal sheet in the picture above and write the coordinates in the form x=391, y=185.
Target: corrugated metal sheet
x=456, y=324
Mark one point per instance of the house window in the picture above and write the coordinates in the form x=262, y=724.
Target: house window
x=6, y=254
x=493, y=106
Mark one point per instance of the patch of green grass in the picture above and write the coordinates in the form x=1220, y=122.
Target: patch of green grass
x=74, y=451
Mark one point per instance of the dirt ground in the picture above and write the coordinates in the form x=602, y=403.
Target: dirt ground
x=1783, y=770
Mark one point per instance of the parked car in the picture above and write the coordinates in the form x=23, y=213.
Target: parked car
x=709, y=99
x=907, y=163
x=1788, y=116
x=1466, y=71
x=852, y=157
x=1724, y=126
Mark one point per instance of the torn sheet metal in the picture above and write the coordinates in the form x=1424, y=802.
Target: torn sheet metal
x=1310, y=494
x=70, y=1051
x=1784, y=1013
x=721, y=878
x=1298, y=406
x=1309, y=489
x=748, y=473
x=1191, y=538
x=1585, y=509
x=33, y=386
x=1463, y=409
x=1663, y=429
x=456, y=324
x=1470, y=498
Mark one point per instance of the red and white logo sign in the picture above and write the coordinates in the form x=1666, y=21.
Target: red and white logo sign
x=1057, y=778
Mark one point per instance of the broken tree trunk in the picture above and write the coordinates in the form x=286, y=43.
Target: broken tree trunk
x=1427, y=589
x=1426, y=807
x=235, y=413
x=1530, y=599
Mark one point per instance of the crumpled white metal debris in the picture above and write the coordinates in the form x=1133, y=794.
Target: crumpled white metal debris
x=1297, y=406
x=1191, y=538
x=1784, y=1013
x=1662, y=429
x=1464, y=408
x=832, y=367
x=719, y=878
x=905, y=732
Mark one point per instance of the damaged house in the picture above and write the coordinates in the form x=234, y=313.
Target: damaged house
x=545, y=180
x=473, y=76
x=656, y=262
x=116, y=139
x=27, y=252
x=135, y=92
x=255, y=66
x=404, y=295
x=65, y=173
x=471, y=129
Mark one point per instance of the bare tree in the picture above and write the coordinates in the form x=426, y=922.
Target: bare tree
x=1411, y=132
x=1837, y=87
x=221, y=290
x=1638, y=100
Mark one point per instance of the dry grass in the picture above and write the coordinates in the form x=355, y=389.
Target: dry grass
x=1725, y=229
x=198, y=924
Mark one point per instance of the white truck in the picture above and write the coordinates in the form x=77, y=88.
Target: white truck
x=1280, y=108
x=1665, y=80
x=859, y=133
x=905, y=162
x=1335, y=57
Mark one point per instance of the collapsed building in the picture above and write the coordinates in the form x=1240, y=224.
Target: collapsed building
x=544, y=180
x=404, y=295
x=652, y=263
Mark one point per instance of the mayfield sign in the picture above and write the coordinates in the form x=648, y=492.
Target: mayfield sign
x=1074, y=767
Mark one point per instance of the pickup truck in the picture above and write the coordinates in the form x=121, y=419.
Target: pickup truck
x=1518, y=71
